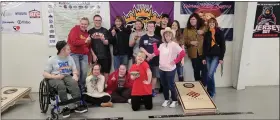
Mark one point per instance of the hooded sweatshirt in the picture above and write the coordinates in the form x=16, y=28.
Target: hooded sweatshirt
x=76, y=41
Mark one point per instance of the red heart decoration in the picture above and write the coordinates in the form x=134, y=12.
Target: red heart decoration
x=16, y=28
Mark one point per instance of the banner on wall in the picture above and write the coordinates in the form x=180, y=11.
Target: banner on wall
x=267, y=20
x=63, y=16
x=222, y=11
x=145, y=11
x=21, y=17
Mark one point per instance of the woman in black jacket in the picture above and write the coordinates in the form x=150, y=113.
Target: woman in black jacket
x=120, y=41
x=213, y=52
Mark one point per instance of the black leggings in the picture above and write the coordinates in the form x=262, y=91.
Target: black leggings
x=121, y=95
x=96, y=101
x=136, y=102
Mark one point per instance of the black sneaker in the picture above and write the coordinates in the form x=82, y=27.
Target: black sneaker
x=65, y=112
x=81, y=109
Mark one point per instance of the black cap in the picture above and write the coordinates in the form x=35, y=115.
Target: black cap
x=59, y=45
x=164, y=16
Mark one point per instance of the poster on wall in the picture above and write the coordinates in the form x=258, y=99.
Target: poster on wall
x=267, y=20
x=145, y=11
x=21, y=17
x=222, y=11
x=63, y=16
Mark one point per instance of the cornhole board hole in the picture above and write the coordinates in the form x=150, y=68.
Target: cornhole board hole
x=10, y=95
x=194, y=98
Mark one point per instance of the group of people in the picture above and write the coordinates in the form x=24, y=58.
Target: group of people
x=157, y=54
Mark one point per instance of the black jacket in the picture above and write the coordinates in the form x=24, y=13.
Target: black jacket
x=120, y=41
x=218, y=49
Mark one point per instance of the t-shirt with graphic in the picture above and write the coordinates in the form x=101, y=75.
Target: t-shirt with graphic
x=121, y=82
x=136, y=45
x=147, y=43
x=101, y=51
x=59, y=65
x=139, y=88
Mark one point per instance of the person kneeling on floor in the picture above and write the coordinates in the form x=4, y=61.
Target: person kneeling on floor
x=142, y=87
x=58, y=72
x=119, y=85
x=95, y=84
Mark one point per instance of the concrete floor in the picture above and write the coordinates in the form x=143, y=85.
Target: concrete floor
x=262, y=101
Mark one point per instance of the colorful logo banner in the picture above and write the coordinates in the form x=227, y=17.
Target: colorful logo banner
x=145, y=11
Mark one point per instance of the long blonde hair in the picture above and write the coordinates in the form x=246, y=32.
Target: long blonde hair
x=172, y=38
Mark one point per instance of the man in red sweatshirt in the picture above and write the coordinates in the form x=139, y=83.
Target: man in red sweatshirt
x=79, y=41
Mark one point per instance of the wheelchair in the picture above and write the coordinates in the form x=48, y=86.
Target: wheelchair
x=48, y=95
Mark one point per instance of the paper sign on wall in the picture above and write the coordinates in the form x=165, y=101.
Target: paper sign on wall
x=21, y=17
x=63, y=16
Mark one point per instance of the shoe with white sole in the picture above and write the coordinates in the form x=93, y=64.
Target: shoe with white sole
x=173, y=104
x=129, y=101
x=165, y=103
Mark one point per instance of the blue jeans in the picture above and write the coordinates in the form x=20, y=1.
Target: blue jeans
x=212, y=63
x=167, y=81
x=180, y=70
x=81, y=62
x=120, y=59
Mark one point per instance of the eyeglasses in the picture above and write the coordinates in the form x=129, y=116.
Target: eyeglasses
x=97, y=20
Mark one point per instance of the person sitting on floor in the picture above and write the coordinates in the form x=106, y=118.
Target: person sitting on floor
x=95, y=84
x=119, y=85
x=142, y=87
x=58, y=72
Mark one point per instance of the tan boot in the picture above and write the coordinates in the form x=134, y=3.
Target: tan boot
x=108, y=104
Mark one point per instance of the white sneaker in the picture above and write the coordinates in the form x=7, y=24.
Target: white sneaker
x=165, y=103
x=173, y=104
x=129, y=101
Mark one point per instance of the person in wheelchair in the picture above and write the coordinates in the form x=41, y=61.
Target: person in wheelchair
x=58, y=72
x=95, y=85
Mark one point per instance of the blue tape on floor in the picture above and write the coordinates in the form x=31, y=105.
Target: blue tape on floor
x=200, y=114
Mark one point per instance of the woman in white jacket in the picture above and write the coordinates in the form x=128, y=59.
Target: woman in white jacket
x=95, y=84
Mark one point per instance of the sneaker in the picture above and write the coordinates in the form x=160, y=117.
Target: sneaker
x=65, y=112
x=108, y=104
x=173, y=104
x=165, y=103
x=129, y=101
x=81, y=109
x=154, y=93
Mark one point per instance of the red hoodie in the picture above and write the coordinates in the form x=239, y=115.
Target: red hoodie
x=112, y=85
x=76, y=41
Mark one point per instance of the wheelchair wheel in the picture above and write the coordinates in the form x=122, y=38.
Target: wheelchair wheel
x=44, y=97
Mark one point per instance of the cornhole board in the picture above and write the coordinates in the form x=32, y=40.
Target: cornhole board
x=10, y=95
x=194, y=98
